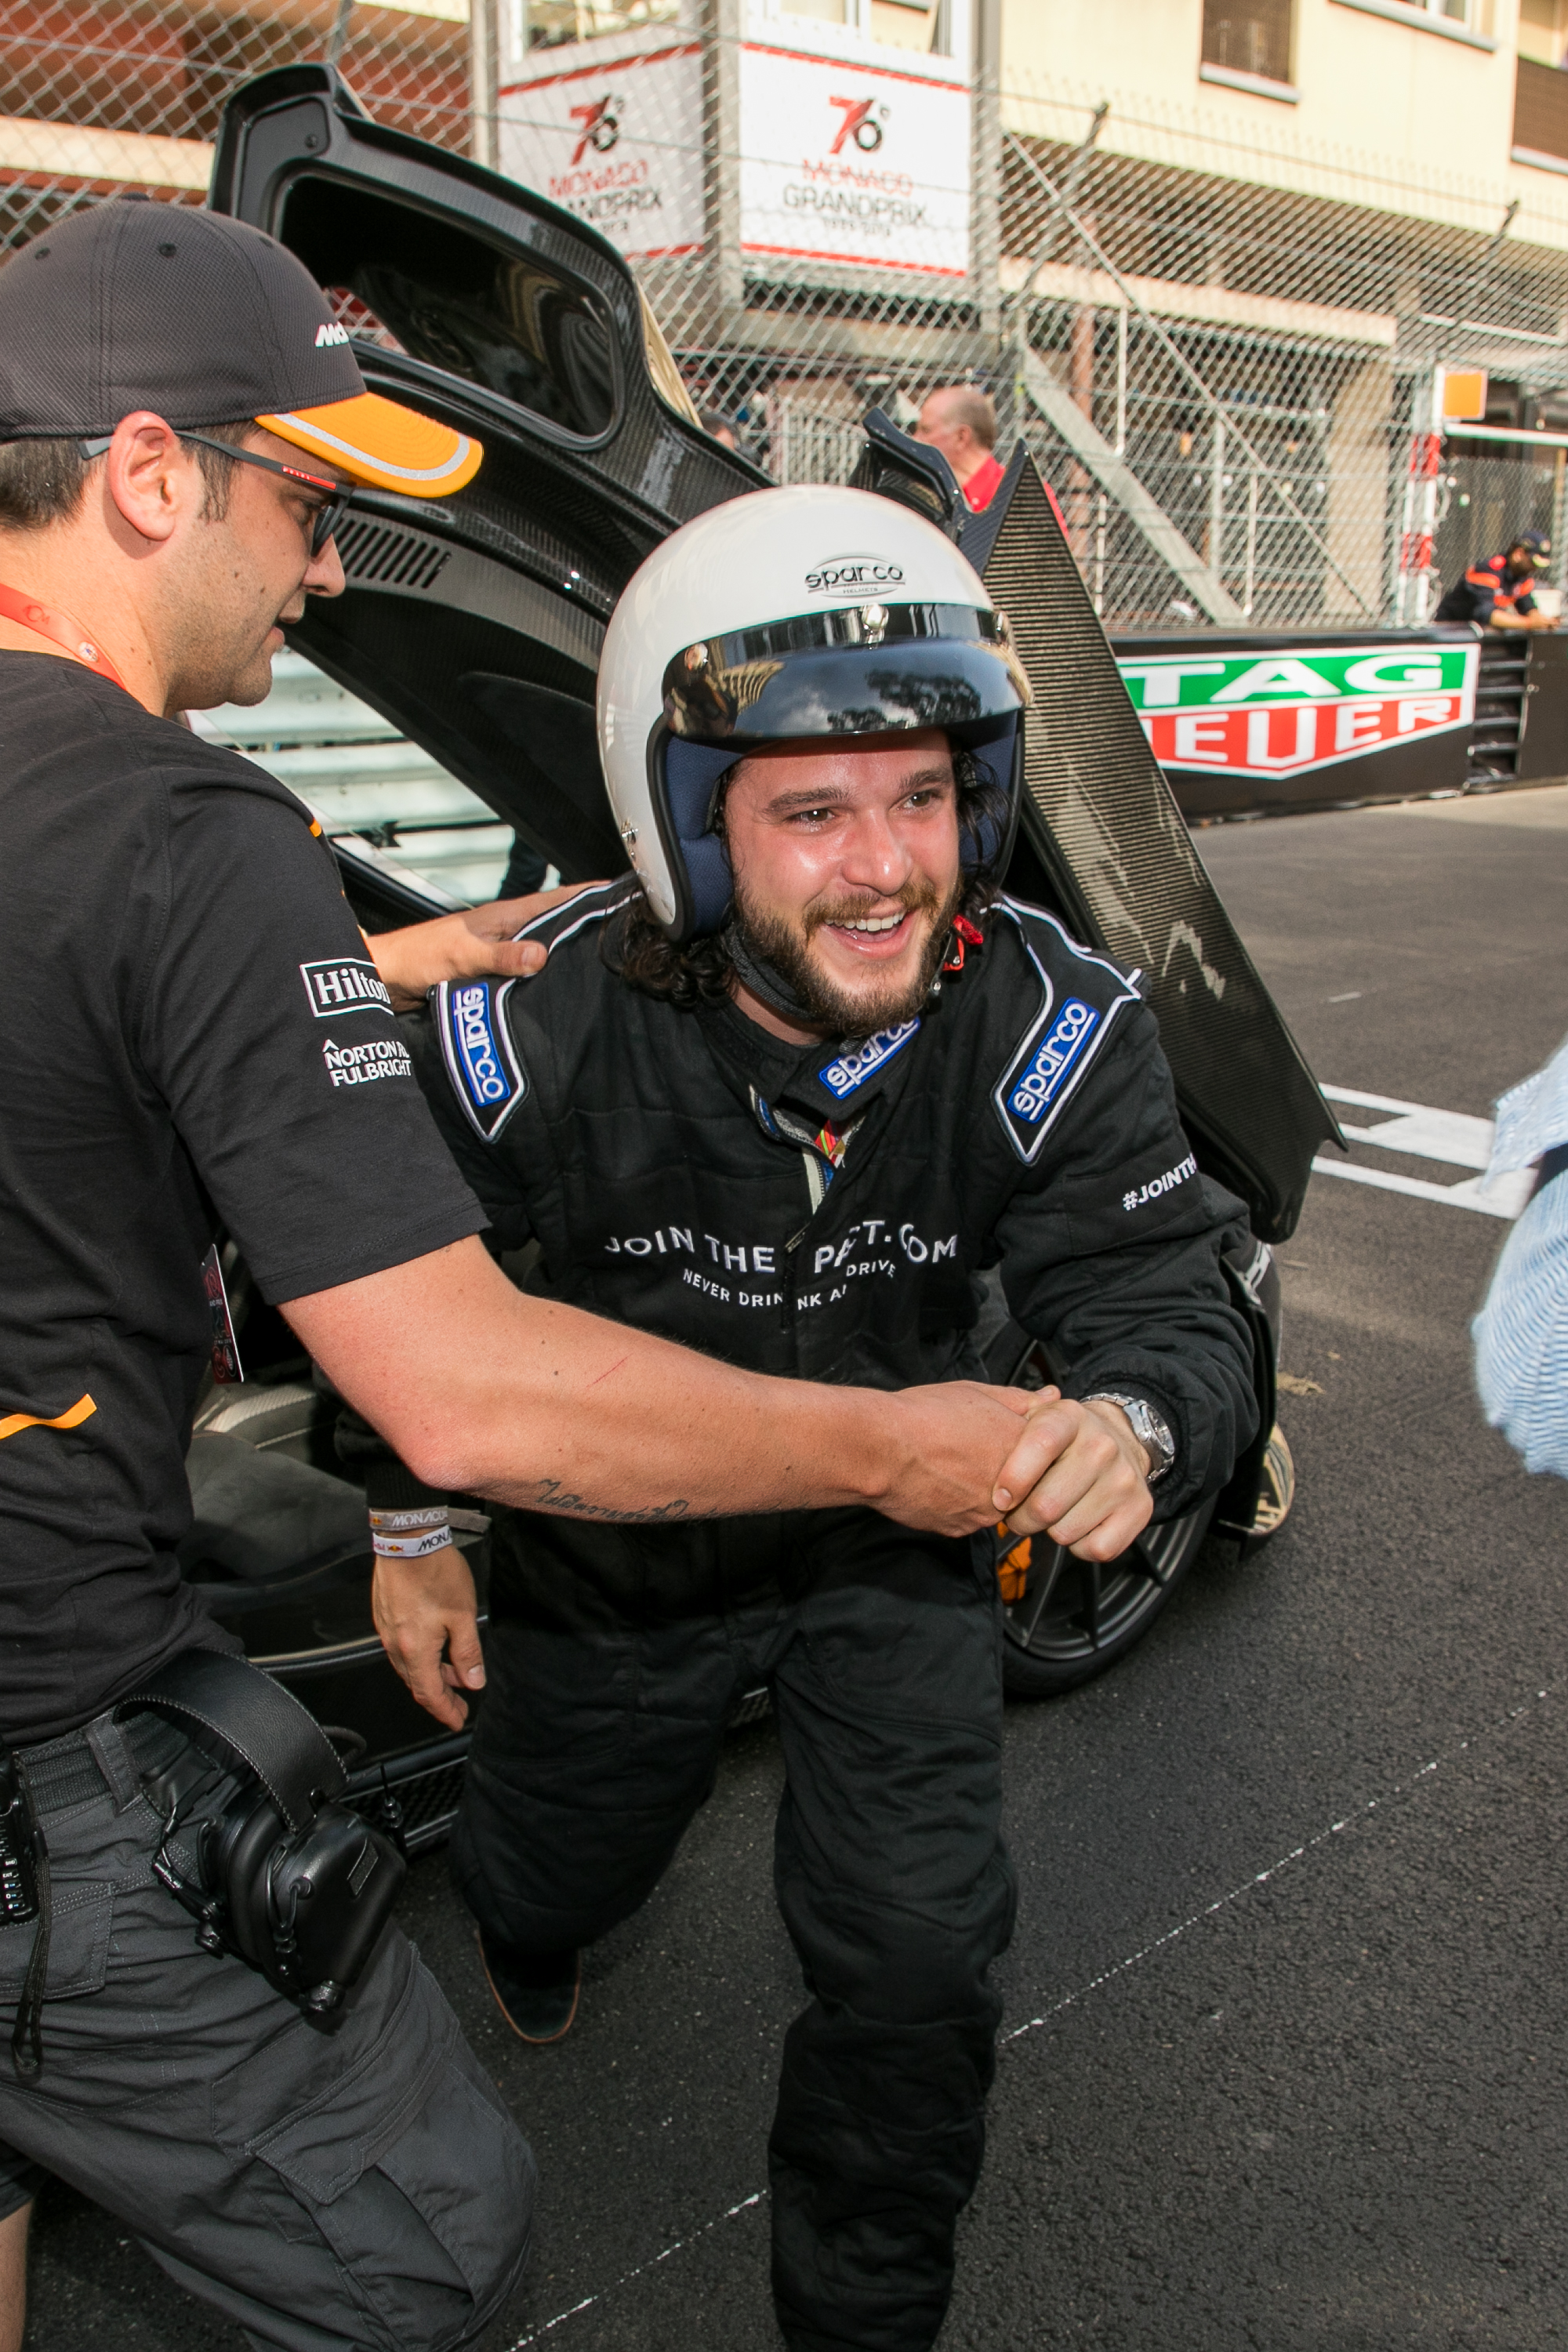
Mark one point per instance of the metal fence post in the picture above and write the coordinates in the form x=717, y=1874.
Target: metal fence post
x=985, y=180
x=482, y=55
x=721, y=132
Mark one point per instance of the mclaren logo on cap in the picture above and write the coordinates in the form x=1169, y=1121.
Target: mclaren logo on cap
x=333, y=335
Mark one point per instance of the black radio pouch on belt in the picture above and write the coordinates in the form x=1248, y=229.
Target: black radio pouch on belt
x=288, y=1880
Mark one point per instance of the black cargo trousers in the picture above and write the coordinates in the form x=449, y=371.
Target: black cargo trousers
x=354, y=2186
x=613, y=1658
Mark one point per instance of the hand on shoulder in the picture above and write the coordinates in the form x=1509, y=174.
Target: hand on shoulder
x=478, y=943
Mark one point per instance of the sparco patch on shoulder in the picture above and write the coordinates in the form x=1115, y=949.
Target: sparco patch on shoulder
x=1046, y=1068
x=861, y=1061
x=476, y=1045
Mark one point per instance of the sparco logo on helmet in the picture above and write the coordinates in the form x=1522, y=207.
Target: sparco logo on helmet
x=847, y=575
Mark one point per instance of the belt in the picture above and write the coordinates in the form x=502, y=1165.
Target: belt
x=62, y=1773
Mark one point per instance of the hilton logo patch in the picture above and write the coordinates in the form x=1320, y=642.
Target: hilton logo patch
x=353, y=986
x=477, y=1047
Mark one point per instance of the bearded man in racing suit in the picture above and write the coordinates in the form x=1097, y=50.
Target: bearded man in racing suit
x=793, y=1126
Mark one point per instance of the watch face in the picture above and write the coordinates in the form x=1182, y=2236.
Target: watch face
x=1154, y=1434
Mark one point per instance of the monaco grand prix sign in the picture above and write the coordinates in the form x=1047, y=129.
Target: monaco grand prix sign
x=615, y=138
x=1273, y=714
x=852, y=161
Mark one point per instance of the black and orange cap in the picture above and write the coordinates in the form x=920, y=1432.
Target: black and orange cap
x=204, y=320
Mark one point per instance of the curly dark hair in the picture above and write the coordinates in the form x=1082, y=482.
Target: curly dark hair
x=700, y=972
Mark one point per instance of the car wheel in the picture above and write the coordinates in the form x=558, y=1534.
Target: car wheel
x=1277, y=1488
x=1065, y=1619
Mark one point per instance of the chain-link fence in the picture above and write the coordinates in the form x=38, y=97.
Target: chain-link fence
x=1220, y=343
x=1222, y=349
x=100, y=97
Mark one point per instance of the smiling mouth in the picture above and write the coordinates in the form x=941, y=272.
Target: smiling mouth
x=878, y=936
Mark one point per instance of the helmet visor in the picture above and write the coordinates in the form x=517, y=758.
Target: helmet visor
x=874, y=669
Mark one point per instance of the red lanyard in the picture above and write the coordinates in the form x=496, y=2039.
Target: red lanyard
x=60, y=630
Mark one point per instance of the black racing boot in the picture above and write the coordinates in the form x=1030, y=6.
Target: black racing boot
x=536, y=1992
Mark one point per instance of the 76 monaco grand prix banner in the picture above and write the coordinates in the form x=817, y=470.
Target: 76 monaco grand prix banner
x=618, y=141
x=1244, y=724
x=842, y=161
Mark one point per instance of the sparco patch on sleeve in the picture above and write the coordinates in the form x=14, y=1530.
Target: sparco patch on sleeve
x=476, y=1045
x=852, y=1069
x=1061, y=1041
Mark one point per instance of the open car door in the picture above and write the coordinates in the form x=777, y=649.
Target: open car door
x=474, y=623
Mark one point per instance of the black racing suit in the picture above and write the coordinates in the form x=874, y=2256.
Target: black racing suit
x=688, y=1173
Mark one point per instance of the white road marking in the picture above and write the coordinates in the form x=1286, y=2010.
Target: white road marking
x=1358, y=1813
x=1453, y=1137
x=548, y=2327
x=1262, y=1878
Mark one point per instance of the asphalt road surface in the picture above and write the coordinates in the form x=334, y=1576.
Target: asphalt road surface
x=1284, y=2063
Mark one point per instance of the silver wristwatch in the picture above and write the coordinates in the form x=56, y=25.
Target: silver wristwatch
x=1151, y=1431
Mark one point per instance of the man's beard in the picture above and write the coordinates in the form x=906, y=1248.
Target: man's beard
x=774, y=940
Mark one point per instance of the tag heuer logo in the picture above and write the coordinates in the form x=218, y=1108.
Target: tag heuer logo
x=335, y=988
x=333, y=335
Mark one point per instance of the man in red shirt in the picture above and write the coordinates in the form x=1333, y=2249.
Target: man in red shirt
x=960, y=420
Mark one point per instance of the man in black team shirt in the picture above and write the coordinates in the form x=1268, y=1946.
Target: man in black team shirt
x=180, y=976
x=786, y=1098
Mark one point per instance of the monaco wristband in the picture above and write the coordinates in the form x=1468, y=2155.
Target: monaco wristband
x=410, y=1535
x=416, y=1534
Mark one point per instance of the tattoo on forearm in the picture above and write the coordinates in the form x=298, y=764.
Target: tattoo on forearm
x=551, y=1495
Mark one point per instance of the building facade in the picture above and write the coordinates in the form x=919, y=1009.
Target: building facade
x=1222, y=263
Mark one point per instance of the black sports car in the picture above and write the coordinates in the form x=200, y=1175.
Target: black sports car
x=475, y=629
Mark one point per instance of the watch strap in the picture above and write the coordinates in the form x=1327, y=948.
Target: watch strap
x=1151, y=1428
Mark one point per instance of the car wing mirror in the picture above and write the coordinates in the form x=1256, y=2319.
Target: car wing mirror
x=910, y=472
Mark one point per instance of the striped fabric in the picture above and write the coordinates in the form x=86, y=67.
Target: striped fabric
x=1521, y=1331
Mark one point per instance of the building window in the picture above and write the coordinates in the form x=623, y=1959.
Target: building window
x=1249, y=36
x=1540, y=30
x=1457, y=12
x=1540, y=110
x=544, y=23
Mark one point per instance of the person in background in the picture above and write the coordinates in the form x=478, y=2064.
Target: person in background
x=718, y=426
x=960, y=420
x=1499, y=594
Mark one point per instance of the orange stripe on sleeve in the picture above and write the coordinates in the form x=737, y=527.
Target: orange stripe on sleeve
x=83, y=1410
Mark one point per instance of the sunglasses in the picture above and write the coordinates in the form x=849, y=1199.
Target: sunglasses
x=323, y=523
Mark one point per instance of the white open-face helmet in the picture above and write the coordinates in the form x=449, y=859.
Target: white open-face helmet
x=784, y=616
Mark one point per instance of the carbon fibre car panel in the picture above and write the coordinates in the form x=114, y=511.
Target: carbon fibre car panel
x=1099, y=817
